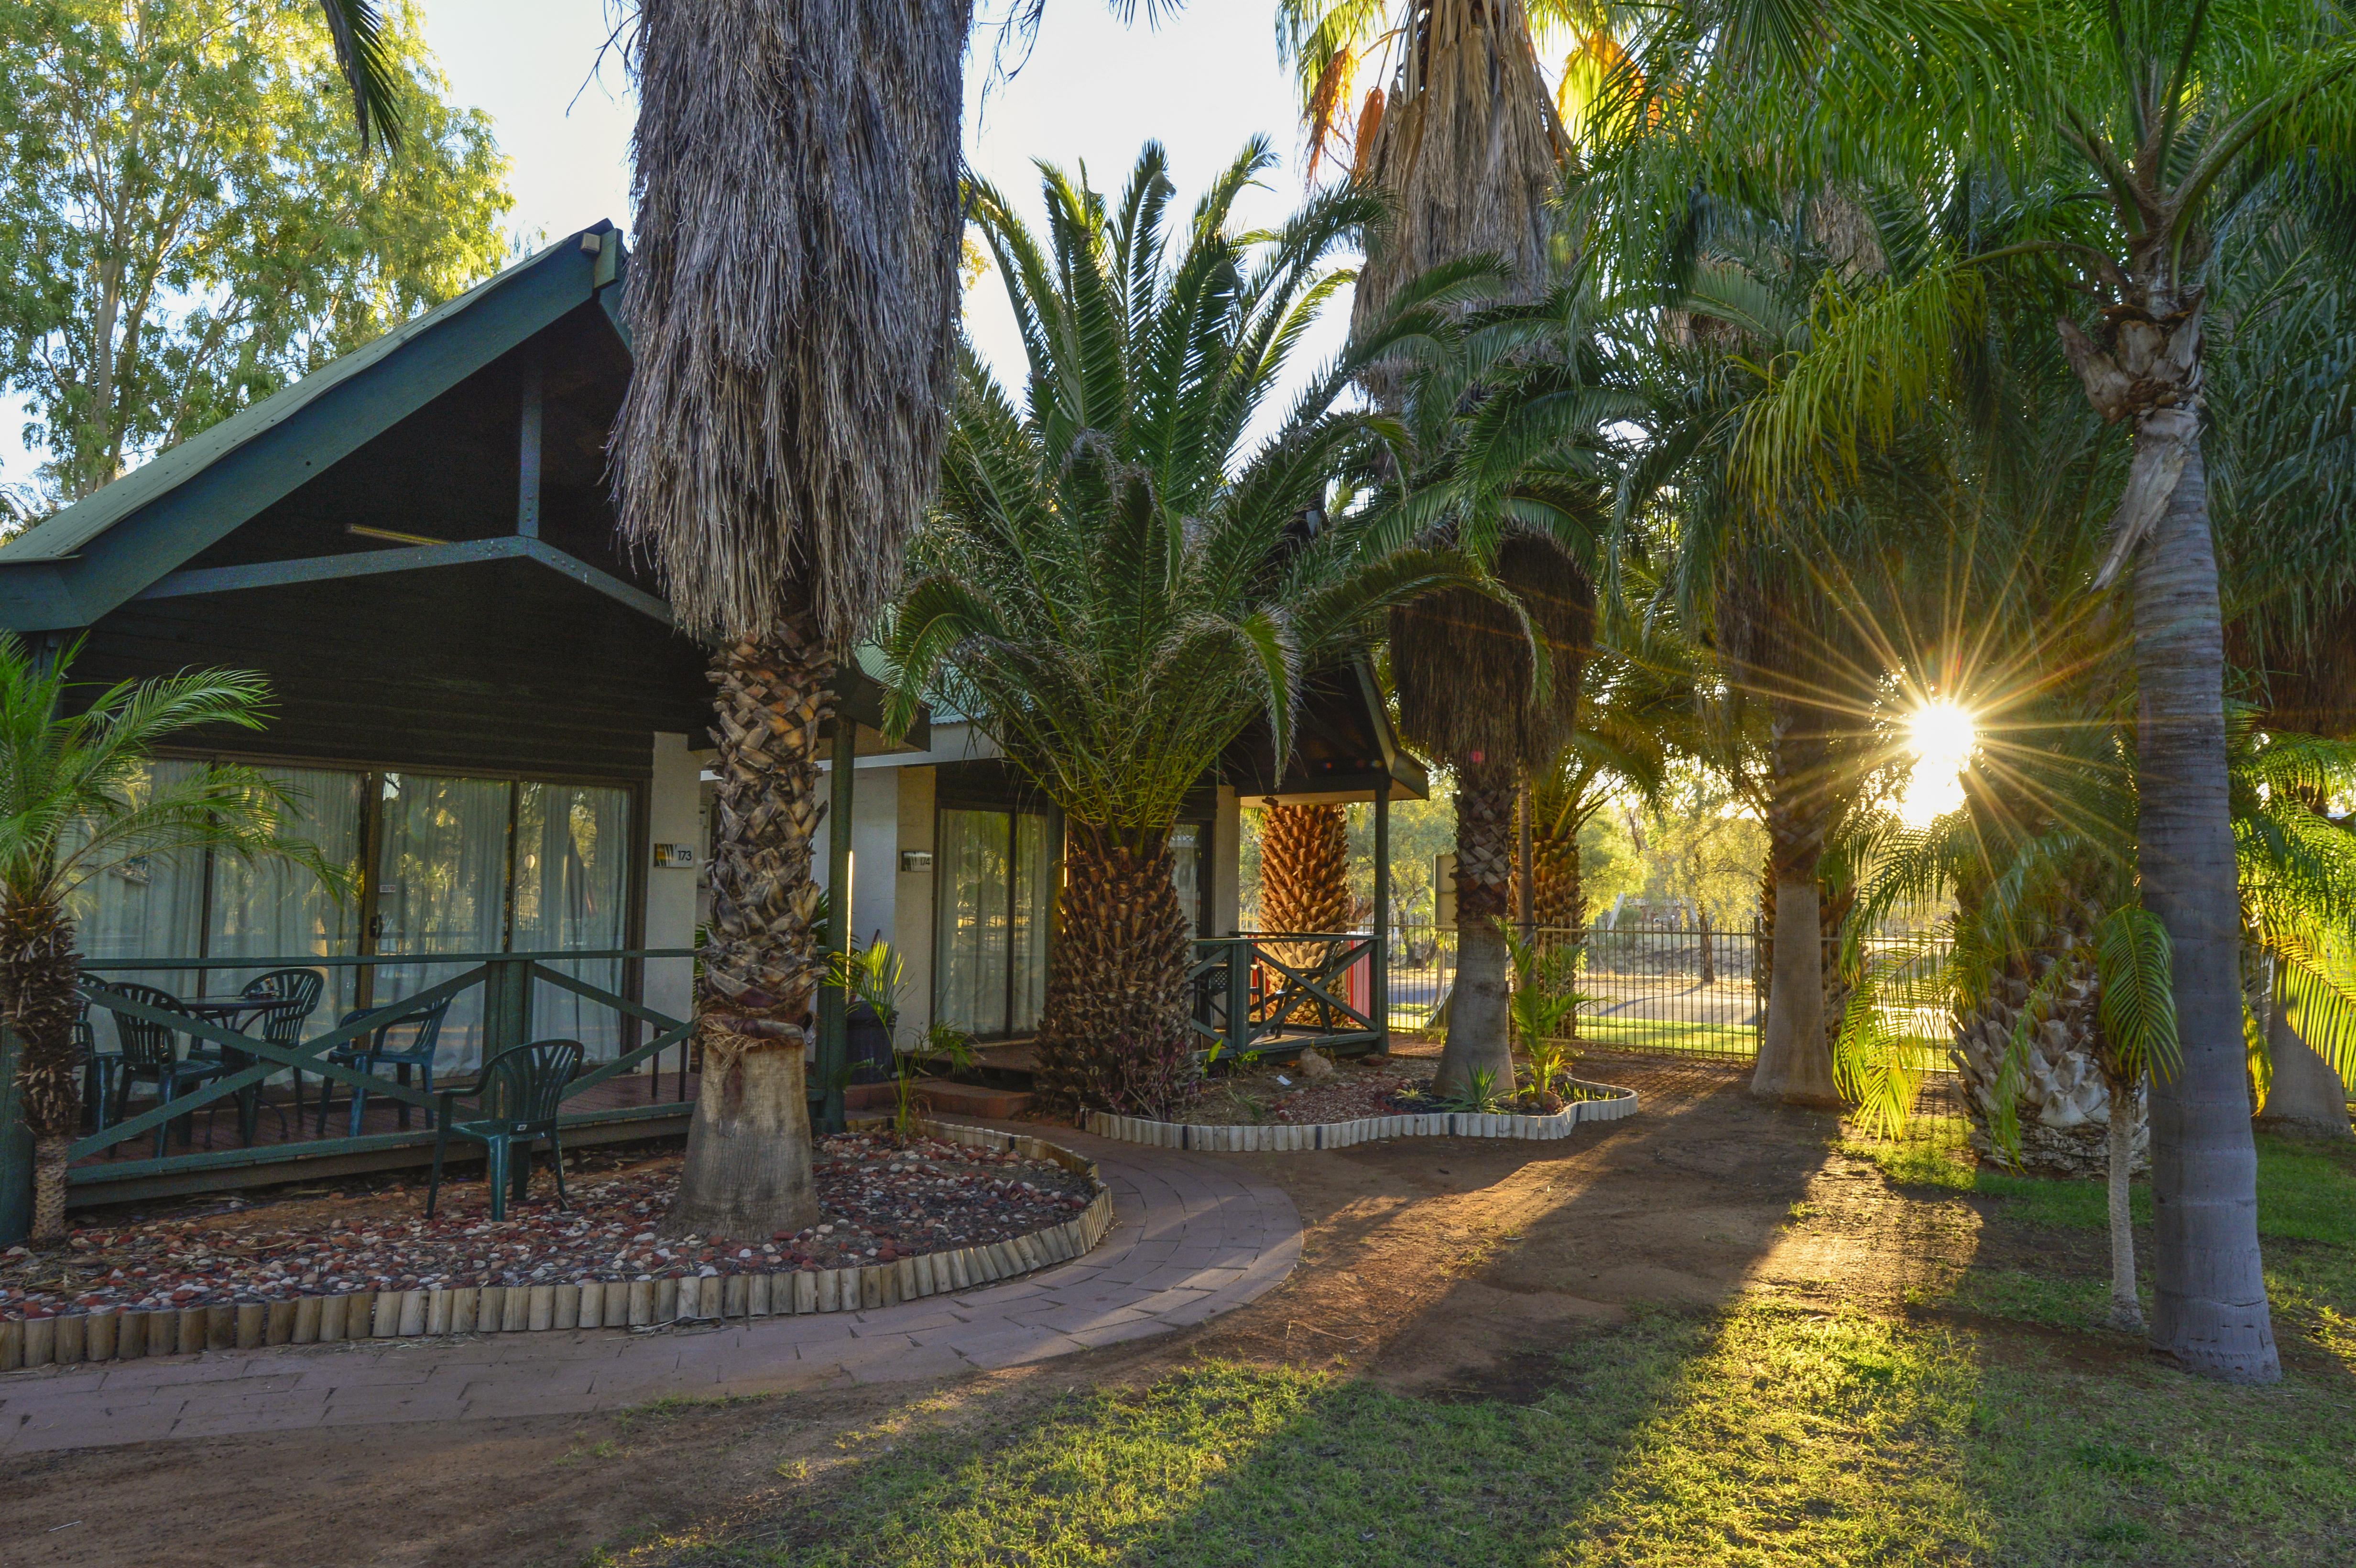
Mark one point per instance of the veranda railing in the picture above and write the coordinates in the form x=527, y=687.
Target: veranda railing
x=1278, y=993
x=506, y=981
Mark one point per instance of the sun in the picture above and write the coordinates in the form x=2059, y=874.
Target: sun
x=1941, y=735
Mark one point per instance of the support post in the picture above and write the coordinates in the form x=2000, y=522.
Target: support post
x=833, y=1002
x=528, y=450
x=1240, y=963
x=1380, y=991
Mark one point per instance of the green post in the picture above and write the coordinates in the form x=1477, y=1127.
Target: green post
x=507, y=1006
x=833, y=1039
x=1380, y=988
x=1239, y=1036
x=15, y=1151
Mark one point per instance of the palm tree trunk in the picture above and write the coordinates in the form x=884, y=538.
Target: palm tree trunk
x=747, y=1173
x=38, y=971
x=1113, y=1031
x=2210, y=1312
x=1477, y=1042
x=1795, y=1066
x=2126, y=1311
x=1305, y=880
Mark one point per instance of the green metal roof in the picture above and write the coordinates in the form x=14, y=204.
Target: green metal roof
x=48, y=576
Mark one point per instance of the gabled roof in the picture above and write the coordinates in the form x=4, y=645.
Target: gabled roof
x=74, y=567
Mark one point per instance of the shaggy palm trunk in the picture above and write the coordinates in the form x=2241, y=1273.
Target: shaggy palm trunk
x=2064, y=1105
x=1558, y=900
x=1795, y=1064
x=748, y=1148
x=1305, y=877
x=2210, y=1312
x=1113, y=1031
x=2307, y=1097
x=2126, y=1311
x=38, y=971
x=1477, y=1046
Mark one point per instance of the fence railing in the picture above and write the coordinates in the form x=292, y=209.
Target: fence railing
x=1274, y=992
x=1690, y=991
x=506, y=981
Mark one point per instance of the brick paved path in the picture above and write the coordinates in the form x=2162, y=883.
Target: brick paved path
x=1193, y=1237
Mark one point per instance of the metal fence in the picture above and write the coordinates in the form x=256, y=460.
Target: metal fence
x=1690, y=991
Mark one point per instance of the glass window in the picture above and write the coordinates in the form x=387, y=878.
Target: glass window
x=990, y=915
x=441, y=886
x=1186, y=871
x=273, y=910
x=148, y=907
x=572, y=878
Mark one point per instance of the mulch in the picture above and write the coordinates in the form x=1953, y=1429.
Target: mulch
x=880, y=1199
x=1287, y=1096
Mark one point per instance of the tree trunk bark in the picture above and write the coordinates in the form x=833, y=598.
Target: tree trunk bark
x=1112, y=1030
x=1477, y=1012
x=747, y=1173
x=2210, y=1313
x=38, y=971
x=1795, y=1066
x=2126, y=1311
x=2307, y=1098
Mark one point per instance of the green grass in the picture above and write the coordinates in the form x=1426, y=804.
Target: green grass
x=1759, y=1435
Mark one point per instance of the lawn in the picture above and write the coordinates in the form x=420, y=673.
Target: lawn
x=1984, y=1424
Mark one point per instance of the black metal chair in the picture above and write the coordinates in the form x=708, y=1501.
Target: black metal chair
x=297, y=992
x=152, y=1050
x=515, y=1101
x=371, y=1050
x=97, y=1068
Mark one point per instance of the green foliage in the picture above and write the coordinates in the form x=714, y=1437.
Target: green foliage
x=1544, y=1007
x=876, y=974
x=1115, y=580
x=189, y=223
x=76, y=795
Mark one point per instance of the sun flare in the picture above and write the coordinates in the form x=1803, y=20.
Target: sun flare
x=1941, y=736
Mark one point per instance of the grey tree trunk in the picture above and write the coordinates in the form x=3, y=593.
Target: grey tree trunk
x=2210, y=1301
x=747, y=1173
x=1793, y=1065
x=2306, y=1098
x=2126, y=1311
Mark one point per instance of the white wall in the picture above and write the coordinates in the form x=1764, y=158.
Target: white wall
x=913, y=933
x=874, y=848
x=1227, y=864
x=674, y=815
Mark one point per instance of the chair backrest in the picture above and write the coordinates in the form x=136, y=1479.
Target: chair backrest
x=297, y=991
x=525, y=1085
x=145, y=1046
x=426, y=1023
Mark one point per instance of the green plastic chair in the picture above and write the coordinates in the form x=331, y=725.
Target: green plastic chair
x=515, y=1101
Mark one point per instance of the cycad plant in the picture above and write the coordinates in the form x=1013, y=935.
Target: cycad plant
x=77, y=799
x=1119, y=578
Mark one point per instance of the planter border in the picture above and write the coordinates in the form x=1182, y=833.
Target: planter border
x=1277, y=1138
x=128, y=1335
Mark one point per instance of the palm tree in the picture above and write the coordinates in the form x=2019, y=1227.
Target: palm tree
x=792, y=303
x=1118, y=579
x=2140, y=133
x=77, y=800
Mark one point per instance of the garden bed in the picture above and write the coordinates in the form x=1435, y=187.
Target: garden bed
x=1594, y=1103
x=943, y=1209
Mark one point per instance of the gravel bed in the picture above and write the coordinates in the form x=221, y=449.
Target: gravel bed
x=881, y=1199
x=1284, y=1097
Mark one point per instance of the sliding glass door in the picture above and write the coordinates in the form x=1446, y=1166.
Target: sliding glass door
x=990, y=953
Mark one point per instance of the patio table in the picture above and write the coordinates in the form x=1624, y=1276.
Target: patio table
x=233, y=1012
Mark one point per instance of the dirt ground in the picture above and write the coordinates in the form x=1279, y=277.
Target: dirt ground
x=1443, y=1267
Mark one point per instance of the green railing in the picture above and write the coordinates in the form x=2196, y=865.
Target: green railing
x=507, y=980
x=1247, y=998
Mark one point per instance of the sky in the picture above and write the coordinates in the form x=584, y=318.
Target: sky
x=1092, y=91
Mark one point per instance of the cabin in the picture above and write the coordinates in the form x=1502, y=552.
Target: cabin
x=488, y=716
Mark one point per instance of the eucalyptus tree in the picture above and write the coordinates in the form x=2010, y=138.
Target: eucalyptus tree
x=1119, y=576
x=78, y=799
x=792, y=304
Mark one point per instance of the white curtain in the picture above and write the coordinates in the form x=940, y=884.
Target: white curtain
x=571, y=873
x=274, y=910
x=151, y=907
x=971, y=932
x=1186, y=871
x=1033, y=892
x=441, y=886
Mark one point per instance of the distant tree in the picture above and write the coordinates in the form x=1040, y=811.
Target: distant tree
x=187, y=223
